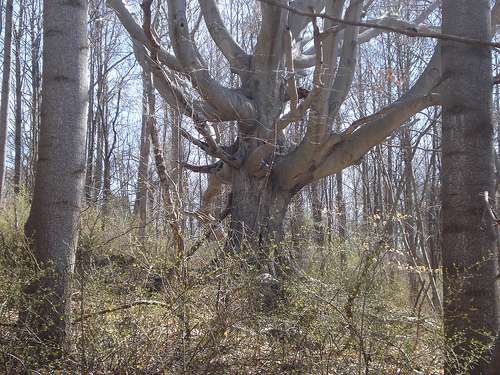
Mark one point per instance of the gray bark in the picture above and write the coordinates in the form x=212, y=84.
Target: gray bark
x=35, y=36
x=469, y=236
x=4, y=102
x=18, y=120
x=55, y=213
x=141, y=199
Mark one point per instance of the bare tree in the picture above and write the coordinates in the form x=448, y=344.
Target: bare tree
x=263, y=173
x=19, y=93
x=469, y=235
x=4, y=103
x=54, y=218
x=141, y=198
x=35, y=78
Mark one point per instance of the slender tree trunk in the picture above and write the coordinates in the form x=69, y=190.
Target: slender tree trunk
x=19, y=93
x=176, y=157
x=141, y=199
x=55, y=213
x=98, y=166
x=469, y=236
x=316, y=204
x=4, y=102
x=35, y=35
x=91, y=130
x=176, y=151
x=408, y=222
x=100, y=117
x=341, y=212
x=297, y=228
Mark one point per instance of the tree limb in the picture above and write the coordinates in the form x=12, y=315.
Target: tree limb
x=228, y=102
x=410, y=32
x=221, y=36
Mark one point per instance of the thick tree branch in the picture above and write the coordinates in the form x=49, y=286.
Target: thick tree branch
x=347, y=64
x=343, y=150
x=207, y=169
x=296, y=22
x=375, y=128
x=317, y=139
x=269, y=48
x=138, y=35
x=222, y=38
x=228, y=102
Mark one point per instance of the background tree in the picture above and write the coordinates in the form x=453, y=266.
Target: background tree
x=4, y=103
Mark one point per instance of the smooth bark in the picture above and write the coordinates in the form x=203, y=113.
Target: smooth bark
x=52, y=226
x=469, y=236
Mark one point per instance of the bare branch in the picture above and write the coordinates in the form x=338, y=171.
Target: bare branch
x=211, y=148
x=207, y=169
x=410, y=32
x=139, y=36
x=296, y=22
x=229, y=48
x=269, y=47
x=389, y=20
x=377, y=127
x=347, y=64
x=228, y=102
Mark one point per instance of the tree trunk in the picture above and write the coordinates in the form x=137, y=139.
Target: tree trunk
x=297, y=229
x=408, y=223
x=469, y=236
x=91, y=128
x=257, y=214
x=316, y=204
x=141, y=199
x=19, y=93
x=35, y=35
x=55, y=213
x=4, y=103
x=176, y=156
x=341, y=213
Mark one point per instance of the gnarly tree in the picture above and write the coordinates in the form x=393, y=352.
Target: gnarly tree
x=53, y=223
x=264, y=174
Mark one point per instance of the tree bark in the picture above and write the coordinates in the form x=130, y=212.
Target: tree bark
x=4, y=102
x=19, y=93
x=35, y=36
x=469, y=236
x=257, y=214
x=317, y=215
x=341, y=213
x=54, y=218
x=141, y=199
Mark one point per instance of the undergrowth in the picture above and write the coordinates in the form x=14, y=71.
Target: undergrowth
x=133, y=314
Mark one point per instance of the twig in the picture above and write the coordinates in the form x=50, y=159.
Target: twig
x=119, y=308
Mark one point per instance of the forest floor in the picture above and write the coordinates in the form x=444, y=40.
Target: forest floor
x=132, y=314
